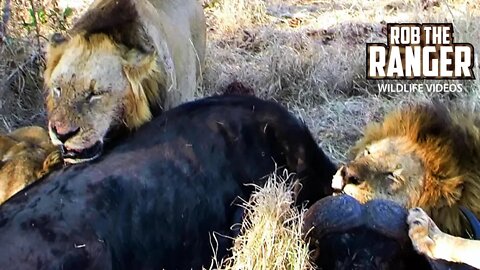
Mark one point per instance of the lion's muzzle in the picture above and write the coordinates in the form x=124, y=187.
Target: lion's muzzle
x=63, y=132
x=345, y=175
x=74, y=157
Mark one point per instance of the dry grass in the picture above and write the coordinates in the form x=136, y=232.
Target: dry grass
x=271, y=232
x=310, y=56
x=22, y=43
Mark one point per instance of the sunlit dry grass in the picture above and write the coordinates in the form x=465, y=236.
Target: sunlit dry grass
x=310, y=56
x=271, y=232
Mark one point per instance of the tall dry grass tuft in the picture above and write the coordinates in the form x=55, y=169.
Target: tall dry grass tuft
x=271, y=232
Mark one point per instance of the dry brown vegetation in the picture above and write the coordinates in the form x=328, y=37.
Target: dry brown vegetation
x=25, y=26
x=310, y=56
x=271, y=232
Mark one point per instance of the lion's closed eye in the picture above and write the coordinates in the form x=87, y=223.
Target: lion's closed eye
x=57, y=91
x=393, y=177
x=92, y=96
x=396, y=180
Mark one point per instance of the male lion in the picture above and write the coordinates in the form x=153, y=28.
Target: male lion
x=122, y=62
x=423, y=155
x=26, y=155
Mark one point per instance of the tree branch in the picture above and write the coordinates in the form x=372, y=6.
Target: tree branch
x=37, y=26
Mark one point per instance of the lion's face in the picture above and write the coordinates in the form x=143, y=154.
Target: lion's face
x=421, y=155
x=86, y=90
x=89, y=92
x=385, y=169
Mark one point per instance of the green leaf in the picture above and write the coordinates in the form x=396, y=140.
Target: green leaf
x=42, y=16
x=67, y=12
x=32, y=14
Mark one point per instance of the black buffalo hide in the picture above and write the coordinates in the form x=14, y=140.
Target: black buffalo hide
x=346, y=235
x=154, y=200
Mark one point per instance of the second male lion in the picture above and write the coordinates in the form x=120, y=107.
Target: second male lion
x=122, y=62
x=423, y=155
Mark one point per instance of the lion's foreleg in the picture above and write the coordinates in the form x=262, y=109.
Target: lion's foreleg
x=427, y=239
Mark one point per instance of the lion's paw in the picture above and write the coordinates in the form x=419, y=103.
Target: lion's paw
x=422, y=230
x=53, y=160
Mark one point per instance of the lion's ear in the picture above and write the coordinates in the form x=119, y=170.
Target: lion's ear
x=57, y=39
x=138, y=65
x=56, y=46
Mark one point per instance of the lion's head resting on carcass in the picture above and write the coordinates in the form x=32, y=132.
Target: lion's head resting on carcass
x=424, y=155
x=122, y=62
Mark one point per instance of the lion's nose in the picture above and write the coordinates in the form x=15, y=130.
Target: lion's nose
x=350, y=176
x=63, y=132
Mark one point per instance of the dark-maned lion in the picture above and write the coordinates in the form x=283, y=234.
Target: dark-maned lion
x=423, y=155
x=122, y=62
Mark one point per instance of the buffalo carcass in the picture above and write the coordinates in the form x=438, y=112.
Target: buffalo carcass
x=155, y=199
x=345, y=234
